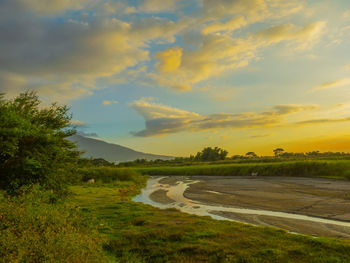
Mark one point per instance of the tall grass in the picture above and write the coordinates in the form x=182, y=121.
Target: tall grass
x=109, y=174
x=32, y=229
x=336, y=169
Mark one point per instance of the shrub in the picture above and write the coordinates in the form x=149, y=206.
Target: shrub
x=34, y=230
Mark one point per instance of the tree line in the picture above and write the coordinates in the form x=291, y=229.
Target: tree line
x=216, y=154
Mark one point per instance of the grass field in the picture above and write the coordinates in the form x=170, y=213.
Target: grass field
x=142, y=233
x=339, y=169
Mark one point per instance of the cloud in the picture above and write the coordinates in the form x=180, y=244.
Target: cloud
x=170, y=59
x=44, y=7
x=11, y=83
x=51, y=6
x=71, y=46
x=161, y=119
x=214, y=55
x=231, y=25
x=74, y=52
x=347, y=66
x=182, y=68
x=156, y=6
x=293, y=108
x=253, y=10
x=70, y=49
x=306, y=36
x=259, y=135
x=333, y=84
x=150, y=110
x=322, y=121
x=109, y=102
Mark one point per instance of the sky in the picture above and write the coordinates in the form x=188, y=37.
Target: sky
x=171, y=76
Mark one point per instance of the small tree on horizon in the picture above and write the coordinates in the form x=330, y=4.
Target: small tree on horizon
x=251, y=154
x=278, y=151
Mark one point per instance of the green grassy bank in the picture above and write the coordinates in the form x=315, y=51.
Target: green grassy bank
x=332, y=169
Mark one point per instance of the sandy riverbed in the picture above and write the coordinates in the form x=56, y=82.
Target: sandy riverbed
x=315, y=197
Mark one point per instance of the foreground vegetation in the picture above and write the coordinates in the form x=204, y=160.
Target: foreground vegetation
x=34, y=229
x=99, y=223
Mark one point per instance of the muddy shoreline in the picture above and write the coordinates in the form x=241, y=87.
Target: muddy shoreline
x=291, y=201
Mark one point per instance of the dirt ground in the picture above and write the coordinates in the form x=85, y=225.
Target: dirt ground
x=317, y=197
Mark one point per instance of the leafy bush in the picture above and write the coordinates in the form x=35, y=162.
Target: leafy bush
x=33, y=144
x=34, y=230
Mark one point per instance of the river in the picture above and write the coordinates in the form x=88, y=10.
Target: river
x=224, y=199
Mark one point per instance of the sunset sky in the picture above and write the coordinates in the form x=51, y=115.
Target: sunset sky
x=171, y=77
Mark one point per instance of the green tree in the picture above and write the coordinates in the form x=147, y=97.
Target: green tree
x=251, y=154
x=278, y=151
x=33, y=144
x=211, y=154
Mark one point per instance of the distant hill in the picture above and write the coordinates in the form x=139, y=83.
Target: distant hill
x=111, y=152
